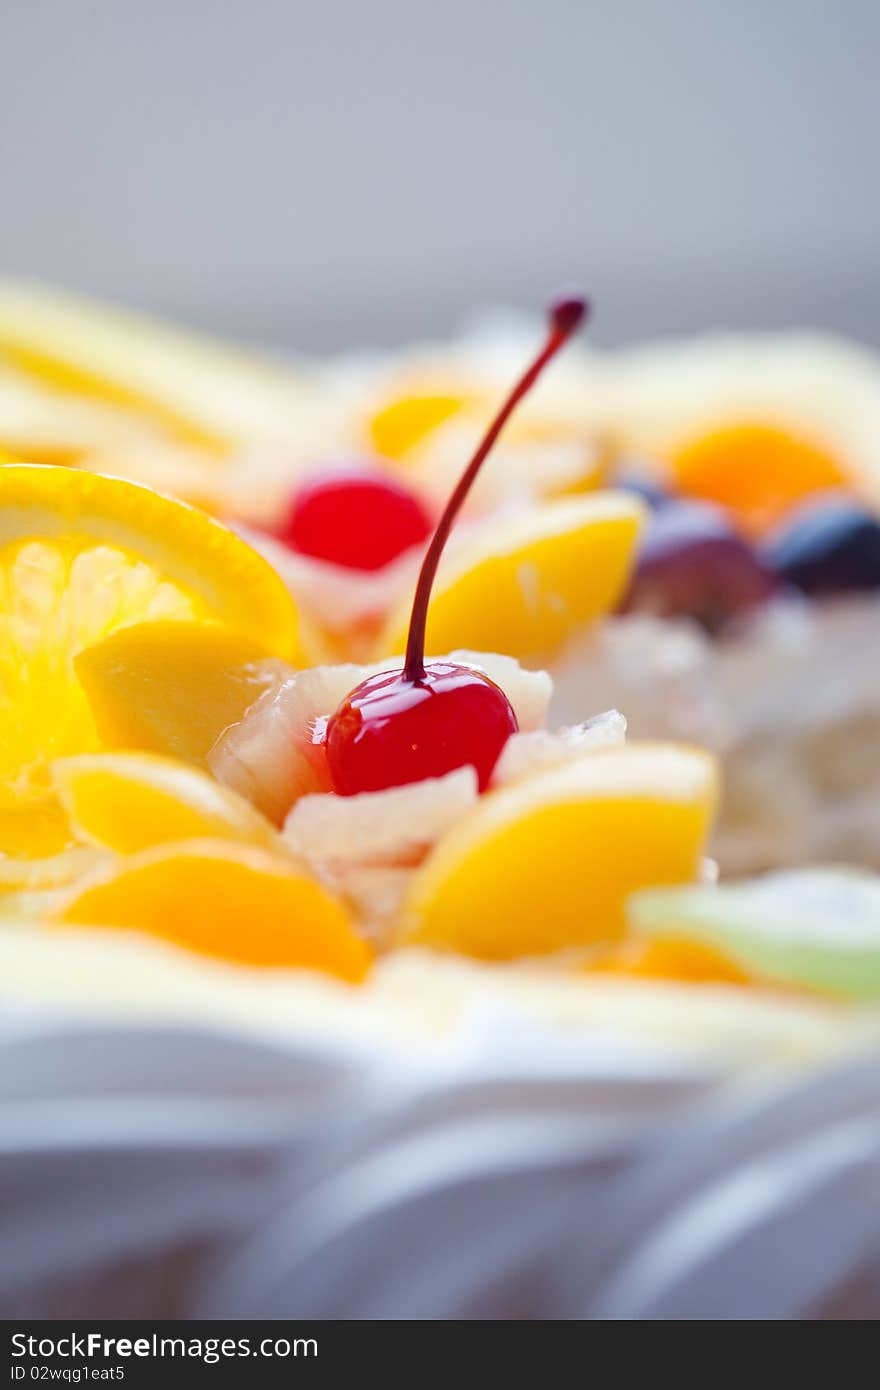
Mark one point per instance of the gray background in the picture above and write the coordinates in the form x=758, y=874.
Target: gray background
x=325, y=174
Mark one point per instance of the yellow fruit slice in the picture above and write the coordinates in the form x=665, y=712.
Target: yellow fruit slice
x=80, y=556
x=173, y=687
x=548, y=863
x=205, y=393
x=403, y=423
x=524, y=585
x=131, y=801
x=235, y=901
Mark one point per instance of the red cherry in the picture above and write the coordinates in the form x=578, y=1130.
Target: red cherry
x=356, y=517
x=423, y=721
x=391, y=730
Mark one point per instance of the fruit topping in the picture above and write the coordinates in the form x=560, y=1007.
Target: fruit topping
x=236, y=901
x=403, y=423
x=173, y=687
x=389, y=827
x=130, y=801
x=359, y=518
x=828, y=545
x=548, y=862
x=82, y=556
x=275, y=753
x=528, y=582
x=816, y=928
x=401, y=726
x=669, y=958
x=393, y=730
x=756, y=470
x=693, y=564
x=529, y=752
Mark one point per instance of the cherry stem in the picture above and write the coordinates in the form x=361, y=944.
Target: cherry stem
x=565, y=316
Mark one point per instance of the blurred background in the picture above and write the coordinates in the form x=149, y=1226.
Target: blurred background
x=327, y=175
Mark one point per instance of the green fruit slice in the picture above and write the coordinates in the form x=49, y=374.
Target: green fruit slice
x=819, y=928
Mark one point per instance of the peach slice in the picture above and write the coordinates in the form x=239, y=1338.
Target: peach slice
x=235, y=901
x=526, y=583
x=131, y=801
x=548, y=862
x=173, y=688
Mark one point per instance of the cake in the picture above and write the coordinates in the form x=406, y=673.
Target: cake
x=360, y=875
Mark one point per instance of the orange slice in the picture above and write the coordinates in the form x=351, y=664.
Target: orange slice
x=238, y=902
x=82, y=555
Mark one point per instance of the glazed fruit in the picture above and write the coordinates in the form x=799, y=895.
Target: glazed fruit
x=359, y=518
x=829, y=545
x=692, y=564
x=528, y=583
x=81, y=557
x=425, y=720
x=131, y=801
x=813, y=928
x=173, y=687
x=236, y=901
x=548, y=862
x=757, y=470
x=393, y=729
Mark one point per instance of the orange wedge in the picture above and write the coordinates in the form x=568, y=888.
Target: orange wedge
x=82, y=555
x=548, y=863
x=238, y=902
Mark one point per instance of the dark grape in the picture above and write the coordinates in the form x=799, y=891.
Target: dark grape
x=693, y=564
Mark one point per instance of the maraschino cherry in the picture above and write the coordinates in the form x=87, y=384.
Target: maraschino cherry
x=423, y=720
x=358, y=517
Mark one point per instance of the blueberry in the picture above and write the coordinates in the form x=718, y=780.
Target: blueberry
x=830, y=545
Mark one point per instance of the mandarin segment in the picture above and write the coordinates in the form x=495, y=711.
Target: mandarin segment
x=237, y=902
x=548, y=863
